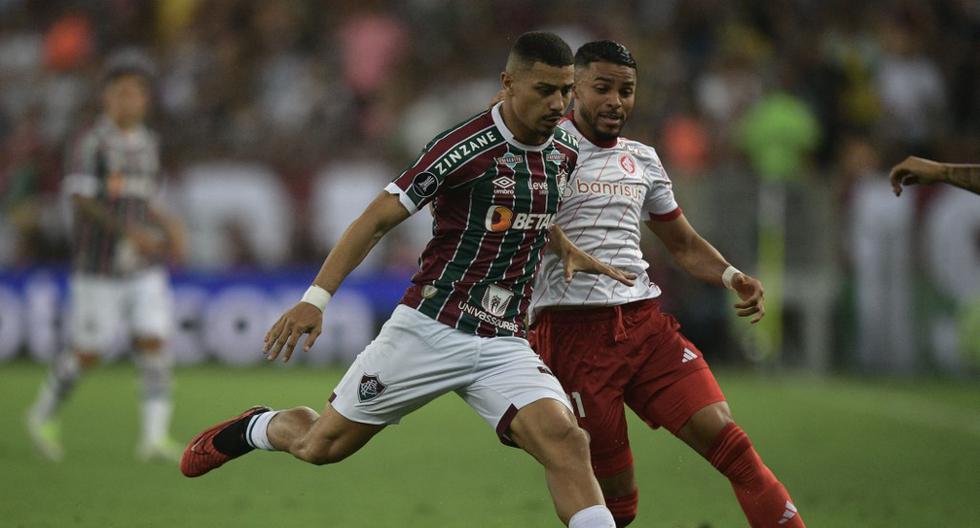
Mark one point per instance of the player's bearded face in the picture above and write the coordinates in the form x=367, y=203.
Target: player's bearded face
x=539, y=96
x=604, y=97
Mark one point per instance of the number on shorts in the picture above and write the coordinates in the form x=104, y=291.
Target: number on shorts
x=577, y=397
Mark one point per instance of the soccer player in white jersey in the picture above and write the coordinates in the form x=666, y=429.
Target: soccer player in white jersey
x=494, y=183
x=609, y=343
x=121, y=238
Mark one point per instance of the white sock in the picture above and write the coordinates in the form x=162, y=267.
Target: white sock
x=156, y=370
x=597, y=516
x=156, y=419
x=65, y=372
x=257, y=431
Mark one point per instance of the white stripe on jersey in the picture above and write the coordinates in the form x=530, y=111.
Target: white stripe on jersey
x=611, y=193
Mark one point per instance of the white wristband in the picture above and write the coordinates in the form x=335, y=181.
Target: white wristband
x=727, y=275
x=316, y=296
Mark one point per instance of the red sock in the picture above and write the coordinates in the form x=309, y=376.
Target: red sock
x=763, y=498
x=623, y=508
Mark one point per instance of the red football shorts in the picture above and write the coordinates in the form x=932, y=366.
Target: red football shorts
x=632, y=354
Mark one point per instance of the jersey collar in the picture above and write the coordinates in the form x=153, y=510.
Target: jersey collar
x=498, y=120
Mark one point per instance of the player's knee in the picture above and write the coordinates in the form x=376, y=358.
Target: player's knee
x=703, y=428
x=568, y=442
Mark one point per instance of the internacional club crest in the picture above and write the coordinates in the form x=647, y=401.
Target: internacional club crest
x=370, y=388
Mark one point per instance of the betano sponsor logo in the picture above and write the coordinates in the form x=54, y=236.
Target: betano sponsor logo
x=462, y=151
x=473, y=311
x=633, y=192
x=500, y=218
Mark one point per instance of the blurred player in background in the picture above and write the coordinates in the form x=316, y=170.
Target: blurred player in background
x=494, y=182
x=120, y=240
x=914, y=170
x=608, y=343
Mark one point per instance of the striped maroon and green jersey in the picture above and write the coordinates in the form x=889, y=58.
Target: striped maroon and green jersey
x=493, y=200
x=120, y=170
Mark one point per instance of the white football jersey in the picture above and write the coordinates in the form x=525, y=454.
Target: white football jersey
x=613, y=189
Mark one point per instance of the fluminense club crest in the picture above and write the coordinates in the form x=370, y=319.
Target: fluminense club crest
x=370, y=388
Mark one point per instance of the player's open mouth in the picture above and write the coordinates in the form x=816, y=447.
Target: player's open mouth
x=553, y=119
x=611, y=119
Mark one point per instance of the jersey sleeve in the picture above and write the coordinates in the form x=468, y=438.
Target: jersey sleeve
x=659, y=203
x=81, y=167
x=440, y=166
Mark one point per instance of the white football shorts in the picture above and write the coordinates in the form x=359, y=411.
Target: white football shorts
x=415, y=359
x=100, y=307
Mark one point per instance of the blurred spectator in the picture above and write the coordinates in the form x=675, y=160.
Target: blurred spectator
x=881, y=252
x=913, y=91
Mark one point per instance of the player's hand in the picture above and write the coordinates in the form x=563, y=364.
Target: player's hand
x=914, y=170
x=577, y=260
x=304, y=318
x=147, y=242
x=749, y=289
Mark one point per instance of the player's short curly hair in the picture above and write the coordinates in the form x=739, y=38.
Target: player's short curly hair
x=129, y=61
x=542, y=46
x=604, y=51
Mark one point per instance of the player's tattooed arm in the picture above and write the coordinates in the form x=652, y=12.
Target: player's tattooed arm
x=383, y=214
x=915, y=170
x=576, y=260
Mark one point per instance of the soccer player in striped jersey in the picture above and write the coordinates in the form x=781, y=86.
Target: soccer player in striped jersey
x=609, y=343
x=494, y=183
x=121, y=238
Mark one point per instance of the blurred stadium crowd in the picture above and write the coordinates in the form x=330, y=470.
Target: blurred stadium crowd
x=281, y=119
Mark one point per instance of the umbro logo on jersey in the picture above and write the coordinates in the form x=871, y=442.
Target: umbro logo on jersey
x=789, y=513
x=688, y=356
x=504, y=185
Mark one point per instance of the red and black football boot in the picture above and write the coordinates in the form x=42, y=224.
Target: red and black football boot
x=218, y=444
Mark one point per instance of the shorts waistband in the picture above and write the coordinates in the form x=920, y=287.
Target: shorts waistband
x=596, y=313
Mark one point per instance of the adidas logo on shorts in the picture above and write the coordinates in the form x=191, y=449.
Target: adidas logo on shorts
x=688, y=356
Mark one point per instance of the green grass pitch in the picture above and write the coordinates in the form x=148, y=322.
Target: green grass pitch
x=852, y=453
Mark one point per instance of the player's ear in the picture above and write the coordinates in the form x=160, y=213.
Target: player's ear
x=507, y=82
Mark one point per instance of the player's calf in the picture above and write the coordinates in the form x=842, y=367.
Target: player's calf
x=763, y=499
x=547, y=430
x=624, y=508
x=619, y=489
x=320, y=439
